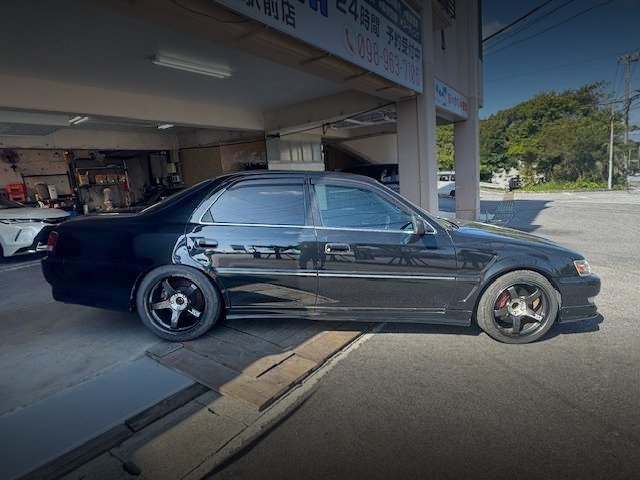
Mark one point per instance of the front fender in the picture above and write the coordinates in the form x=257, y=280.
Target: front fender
x=471, y=285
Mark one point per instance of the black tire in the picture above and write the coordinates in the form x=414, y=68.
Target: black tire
x=452, y=193
x=178, y=303
x=518, y=307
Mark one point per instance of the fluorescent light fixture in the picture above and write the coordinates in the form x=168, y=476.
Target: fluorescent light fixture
x=77, y=120
x=187, y=66
x=164, y=126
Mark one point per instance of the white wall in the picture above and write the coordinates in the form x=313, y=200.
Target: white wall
x=378, y=149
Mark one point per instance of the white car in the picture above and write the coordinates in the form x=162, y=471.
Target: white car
x=24, y=229
x=447, y=184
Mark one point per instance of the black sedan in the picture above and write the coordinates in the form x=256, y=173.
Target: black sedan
x=322, y=246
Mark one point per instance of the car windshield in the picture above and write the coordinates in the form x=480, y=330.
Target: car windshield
x=5, y=204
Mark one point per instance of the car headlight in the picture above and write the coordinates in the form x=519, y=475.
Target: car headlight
x=12, y=221
x=583, y=268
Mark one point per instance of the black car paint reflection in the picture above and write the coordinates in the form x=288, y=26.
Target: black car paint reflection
x=285, y=258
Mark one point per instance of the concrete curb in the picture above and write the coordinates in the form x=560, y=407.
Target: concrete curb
x=286, y=405
x=111, y=455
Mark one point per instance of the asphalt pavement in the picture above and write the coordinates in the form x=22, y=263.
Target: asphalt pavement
x=433, y=402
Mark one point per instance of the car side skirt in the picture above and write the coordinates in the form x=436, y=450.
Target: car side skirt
x=422, y=316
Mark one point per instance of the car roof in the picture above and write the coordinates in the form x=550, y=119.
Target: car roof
x=293, y=173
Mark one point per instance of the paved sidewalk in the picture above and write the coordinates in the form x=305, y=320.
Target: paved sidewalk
x=156, y=422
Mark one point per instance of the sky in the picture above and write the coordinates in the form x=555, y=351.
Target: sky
x=582, y=50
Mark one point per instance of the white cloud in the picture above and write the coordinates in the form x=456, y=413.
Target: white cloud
x=492, y=27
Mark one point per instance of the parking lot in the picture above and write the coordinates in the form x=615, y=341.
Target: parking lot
x=574, y=392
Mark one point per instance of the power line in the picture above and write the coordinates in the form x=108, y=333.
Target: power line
x=564, y=65
x=518, y=20
x=551, y=27
x=524, y=27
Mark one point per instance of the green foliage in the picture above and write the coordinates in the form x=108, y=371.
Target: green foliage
x=577, y=185
x=444, y=139
x=553, y=136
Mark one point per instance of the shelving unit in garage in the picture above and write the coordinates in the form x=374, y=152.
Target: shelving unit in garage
x=93, y=181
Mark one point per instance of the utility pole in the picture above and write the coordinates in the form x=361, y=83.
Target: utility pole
x=628, y=59
x=609, y=183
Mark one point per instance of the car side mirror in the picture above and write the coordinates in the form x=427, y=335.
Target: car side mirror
x=418, y=226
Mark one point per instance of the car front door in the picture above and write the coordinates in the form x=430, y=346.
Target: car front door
x=255, y=239
x=373, y=263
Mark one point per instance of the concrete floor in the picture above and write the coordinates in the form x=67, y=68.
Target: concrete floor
x=48, y=346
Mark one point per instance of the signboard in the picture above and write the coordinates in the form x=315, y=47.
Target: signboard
x=382, y=36
x=451, y=100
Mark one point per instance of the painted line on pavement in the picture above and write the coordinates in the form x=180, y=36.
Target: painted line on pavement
x=21, y=266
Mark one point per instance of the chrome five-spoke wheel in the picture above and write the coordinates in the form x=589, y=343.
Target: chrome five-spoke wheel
x=518, y=307
x=178, y=303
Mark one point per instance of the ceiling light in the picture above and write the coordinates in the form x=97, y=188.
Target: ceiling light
x=165, y=61
x=78, y=120
x=165, y=126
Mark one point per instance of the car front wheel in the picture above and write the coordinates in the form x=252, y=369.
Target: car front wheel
x=518, y=307
x=178, y=303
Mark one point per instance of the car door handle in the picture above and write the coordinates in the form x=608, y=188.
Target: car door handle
x=337, y=248
x=206, y=243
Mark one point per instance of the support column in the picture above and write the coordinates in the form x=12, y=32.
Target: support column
x=416, y=126
x=467, y=132
x=467, y=164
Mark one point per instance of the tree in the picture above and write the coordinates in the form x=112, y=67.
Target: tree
x=444, y=140
x=560, y=136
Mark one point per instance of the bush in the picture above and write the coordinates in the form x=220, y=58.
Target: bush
x=576, y=185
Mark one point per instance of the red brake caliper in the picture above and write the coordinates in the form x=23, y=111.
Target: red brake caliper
x=503, y=299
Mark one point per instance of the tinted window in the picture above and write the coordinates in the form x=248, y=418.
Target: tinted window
x=351, y=207
x=261, y=204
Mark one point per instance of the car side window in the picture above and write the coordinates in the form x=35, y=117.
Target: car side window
x=266, y=204
x=343, y=206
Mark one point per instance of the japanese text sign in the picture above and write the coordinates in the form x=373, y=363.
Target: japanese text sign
x=382, y=36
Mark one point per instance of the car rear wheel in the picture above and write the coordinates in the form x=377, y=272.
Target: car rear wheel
x=518, y=307
x=178, y=303
x=452, y=193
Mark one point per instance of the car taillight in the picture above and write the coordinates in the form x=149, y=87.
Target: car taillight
x=52, y=241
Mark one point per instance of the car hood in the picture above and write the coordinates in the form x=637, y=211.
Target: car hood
x=495, y=233
x=32, y=213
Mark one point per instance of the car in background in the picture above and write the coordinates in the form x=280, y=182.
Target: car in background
x=314, y=245
x=385, y=173
x=24, y=229
x=447, y=183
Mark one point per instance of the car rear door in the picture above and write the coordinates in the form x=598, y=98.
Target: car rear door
x=255, y=239
x=371, y=259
